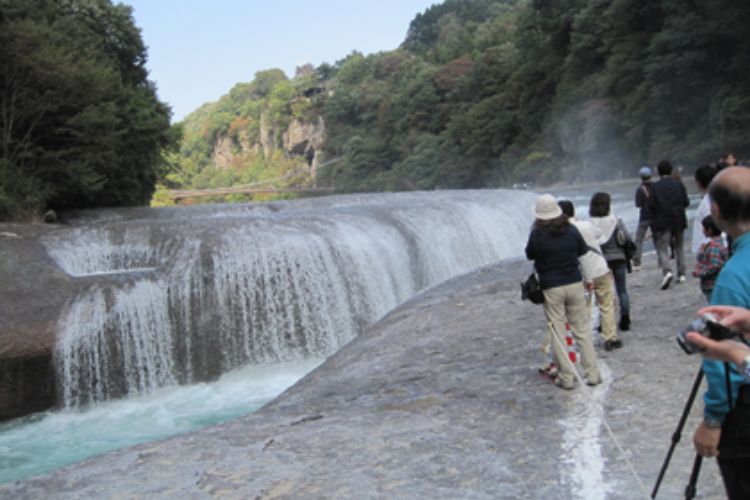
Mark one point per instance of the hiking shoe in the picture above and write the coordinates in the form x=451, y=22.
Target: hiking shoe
x=612, y=344
x=681, y=278
x=667, y=280
x=565, y=385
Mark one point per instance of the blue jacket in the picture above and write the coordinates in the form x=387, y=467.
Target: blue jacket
x=732, y=289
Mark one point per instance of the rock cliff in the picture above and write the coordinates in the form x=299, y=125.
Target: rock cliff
x=301, y=138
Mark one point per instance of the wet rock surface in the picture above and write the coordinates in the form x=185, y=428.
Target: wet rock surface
x=441, y=399
x=28, y=310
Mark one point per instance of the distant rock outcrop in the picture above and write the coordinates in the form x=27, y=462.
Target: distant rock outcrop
x=303, y=138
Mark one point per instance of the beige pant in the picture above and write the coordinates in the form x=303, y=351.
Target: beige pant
x=605, y=301
x=569, y=303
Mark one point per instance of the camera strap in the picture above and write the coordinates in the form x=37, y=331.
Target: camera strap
x=729, y=385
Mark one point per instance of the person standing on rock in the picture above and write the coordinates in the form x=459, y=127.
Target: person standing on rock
x=555, y=246
x=596, y=276
x=710, y=257
x=612, y=236
x=668, y=221
x=642, y=197
x=725, y=430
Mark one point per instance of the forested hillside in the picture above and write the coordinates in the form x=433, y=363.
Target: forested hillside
x=481, y=93
x=80, y=123
x=489, y=92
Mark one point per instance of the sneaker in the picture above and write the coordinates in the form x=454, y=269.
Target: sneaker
x=681, y=278
x=667, y=280
x=594, y=381
x=565, y=385
x=636, y=267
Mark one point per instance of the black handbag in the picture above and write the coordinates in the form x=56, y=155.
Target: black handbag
x=531, y=290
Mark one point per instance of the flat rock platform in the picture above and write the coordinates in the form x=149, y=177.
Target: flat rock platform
x=441, y=399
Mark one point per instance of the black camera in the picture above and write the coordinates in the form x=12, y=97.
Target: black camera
x=706, y=325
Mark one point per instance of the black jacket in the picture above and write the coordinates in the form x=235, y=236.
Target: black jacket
x=555, y=256
x=668, y=204
x=642, y=197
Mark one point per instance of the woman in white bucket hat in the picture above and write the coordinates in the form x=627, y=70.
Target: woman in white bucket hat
x=555, y=245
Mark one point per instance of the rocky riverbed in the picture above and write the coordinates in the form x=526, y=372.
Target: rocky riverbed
x=441, y=399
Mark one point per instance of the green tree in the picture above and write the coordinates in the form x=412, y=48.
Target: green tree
x=81, y=125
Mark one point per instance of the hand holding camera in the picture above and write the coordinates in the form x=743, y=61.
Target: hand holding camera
x=734, y=318
x=707, y=326
x=716, y=324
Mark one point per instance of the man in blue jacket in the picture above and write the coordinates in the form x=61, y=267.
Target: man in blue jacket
x=668, y=221
x=725, y=430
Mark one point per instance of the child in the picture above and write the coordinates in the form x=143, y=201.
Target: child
x=711, y=256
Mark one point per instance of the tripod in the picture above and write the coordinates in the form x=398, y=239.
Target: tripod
x=690, y=489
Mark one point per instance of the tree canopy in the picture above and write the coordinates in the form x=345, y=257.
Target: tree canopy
x=81, y=124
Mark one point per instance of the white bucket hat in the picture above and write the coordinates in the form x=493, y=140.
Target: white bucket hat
x=546, y=208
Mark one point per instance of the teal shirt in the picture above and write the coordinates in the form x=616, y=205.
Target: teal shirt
x=732, y=289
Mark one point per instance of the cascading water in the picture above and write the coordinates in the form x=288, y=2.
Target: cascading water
x=133, y=338
x=212, y=290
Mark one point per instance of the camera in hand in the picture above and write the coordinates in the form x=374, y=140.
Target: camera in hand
x=708, y=326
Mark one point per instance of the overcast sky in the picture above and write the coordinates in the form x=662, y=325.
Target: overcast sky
x=199, y=49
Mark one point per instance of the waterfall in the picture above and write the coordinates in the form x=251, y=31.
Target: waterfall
x=131, y=337
x=183, y=295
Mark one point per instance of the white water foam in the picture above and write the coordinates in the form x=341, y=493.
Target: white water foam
x=47, y=441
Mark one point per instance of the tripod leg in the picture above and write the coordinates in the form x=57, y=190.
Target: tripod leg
x=678, y=432
x=690, y=490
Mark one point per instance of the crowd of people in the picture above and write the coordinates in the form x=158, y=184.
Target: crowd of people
x=578, y=262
